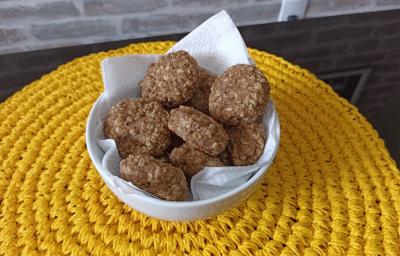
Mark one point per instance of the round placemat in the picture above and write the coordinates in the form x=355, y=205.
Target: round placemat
x=333, y=187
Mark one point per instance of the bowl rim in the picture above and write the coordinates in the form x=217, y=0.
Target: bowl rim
x=179, y=204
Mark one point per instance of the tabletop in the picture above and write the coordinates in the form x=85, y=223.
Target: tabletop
x=332, y=189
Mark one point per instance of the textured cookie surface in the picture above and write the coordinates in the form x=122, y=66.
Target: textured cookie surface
x=246, y=143
x=138, y=126
x=192, y=160
x=155, y=176
x=172, y=80
x=200, y=97
x=198, y=129
x=239, y=96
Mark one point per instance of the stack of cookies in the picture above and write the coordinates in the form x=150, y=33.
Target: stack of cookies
x=188, y=118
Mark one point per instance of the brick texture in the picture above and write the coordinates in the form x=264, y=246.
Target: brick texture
x=104, y=7
x=20, y=13
x=365, y=46
x=73, y=29
x=340, y=33
x=318, y=6
x=388, y=2
x=392, y=42
x=388, y=29
x=11, y=36
x=253, y=14
x=209, y=3
x=156, y=24
x=342, y=43
x=104, y=18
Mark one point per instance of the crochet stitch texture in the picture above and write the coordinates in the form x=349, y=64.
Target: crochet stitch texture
x=333, y=188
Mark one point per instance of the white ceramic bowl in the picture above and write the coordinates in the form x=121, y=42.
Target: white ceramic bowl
x=167, y=210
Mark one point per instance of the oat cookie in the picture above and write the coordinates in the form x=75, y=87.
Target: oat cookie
x=172, y=80
x=239, y=96
x=246, y=143
x=199, y=100
x=138, y=126
x=198, y=129
x=192, y=160
x=156, y=177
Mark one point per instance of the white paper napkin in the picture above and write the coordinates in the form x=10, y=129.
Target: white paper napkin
x=216, y=45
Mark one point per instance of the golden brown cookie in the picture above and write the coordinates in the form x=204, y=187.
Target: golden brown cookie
x=192, y=160
x=172, y=80
x=199, y=100
x=246, y=143
x=198, y=129
x=239, y=96
x=160, y=179
x=138, y=126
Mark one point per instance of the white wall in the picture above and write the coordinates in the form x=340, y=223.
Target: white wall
x=40, y=24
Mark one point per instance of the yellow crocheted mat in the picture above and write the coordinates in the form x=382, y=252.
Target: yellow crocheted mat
x=333, y=188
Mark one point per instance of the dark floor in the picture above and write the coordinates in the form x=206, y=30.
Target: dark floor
x=322, y=45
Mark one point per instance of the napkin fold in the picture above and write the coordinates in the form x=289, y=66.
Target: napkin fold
x=216, y=45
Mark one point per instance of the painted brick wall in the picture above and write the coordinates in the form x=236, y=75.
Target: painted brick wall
x=348, y=42
x=41, y=24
